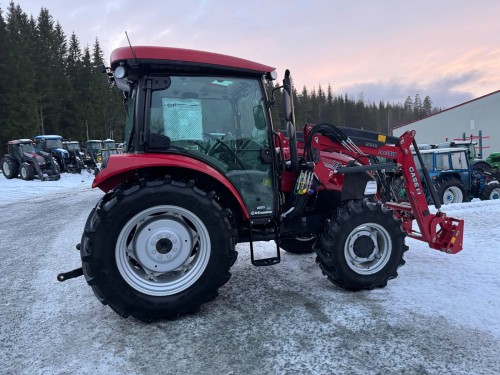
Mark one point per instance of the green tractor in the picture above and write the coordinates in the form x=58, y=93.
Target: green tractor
x=494, y=160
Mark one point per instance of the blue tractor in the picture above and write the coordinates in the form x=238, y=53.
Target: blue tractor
x=53, y=144
x=453, y=177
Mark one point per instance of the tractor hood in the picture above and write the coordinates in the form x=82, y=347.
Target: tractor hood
x=61, y=151
x=32, y=155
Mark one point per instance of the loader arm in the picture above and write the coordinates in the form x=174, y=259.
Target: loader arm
x=438, y=230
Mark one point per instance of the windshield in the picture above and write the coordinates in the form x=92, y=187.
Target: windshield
x=459, y=160
x=27, y=147
x=53, y=143
x=195, y=112
x=72, y=146
x=94, y=146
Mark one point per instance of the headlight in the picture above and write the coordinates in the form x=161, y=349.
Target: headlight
x=371, y=187
x=120, y=72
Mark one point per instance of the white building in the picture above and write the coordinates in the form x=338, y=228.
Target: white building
x=475, y=118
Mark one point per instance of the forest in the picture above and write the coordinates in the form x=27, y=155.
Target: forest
x=50, y=85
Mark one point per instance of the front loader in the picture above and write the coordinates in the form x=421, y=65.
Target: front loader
x=205, y=169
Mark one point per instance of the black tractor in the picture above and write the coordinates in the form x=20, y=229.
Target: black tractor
x=23, y=160
x=74, y=162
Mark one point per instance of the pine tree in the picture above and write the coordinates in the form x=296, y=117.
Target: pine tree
x=417, y=107
x=427, y=106
x=408, y=108
x=50, y=79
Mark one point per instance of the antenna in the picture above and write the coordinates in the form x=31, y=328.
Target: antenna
x=131, y=49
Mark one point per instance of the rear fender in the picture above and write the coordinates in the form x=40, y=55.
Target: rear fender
x=122, y=167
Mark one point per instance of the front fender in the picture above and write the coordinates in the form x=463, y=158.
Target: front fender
x=120, y=167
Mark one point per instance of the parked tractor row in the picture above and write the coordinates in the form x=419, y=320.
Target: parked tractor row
x=46, y=156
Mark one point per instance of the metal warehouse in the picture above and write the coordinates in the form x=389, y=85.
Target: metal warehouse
x=477, y=119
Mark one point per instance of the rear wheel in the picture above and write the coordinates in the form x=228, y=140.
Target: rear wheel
x=481, y=166
x=299, y=245
x=157, y=251
x=361, y=246
x=10, y=168
x=451, y=191
x=27, y=172
x=491, y=191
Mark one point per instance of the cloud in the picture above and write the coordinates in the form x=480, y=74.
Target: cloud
x=444, y=91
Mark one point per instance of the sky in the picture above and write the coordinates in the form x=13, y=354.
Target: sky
x=376, y=50
x=439, y=316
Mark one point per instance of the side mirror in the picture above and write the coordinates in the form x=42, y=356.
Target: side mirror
x=287, y=98
x=290, y=120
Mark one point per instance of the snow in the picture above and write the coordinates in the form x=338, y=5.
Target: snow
x=462, y=290
x=18, y=190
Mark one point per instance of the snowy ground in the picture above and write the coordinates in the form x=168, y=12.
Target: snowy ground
x=440, y=316
x=18, y=190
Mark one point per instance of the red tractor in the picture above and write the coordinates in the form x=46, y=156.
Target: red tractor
x=22, y=159
x=205, y=169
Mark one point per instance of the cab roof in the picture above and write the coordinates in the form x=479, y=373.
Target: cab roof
x=20, y=141
x=48, y=137
x=180, y=56
x=443, y=150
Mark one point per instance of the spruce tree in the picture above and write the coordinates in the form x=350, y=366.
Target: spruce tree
x=20, y=97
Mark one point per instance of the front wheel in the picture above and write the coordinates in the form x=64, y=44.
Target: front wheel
x=157, y=251
x=361, y=246
x=27, y=172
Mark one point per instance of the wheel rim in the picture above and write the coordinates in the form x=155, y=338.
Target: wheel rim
x=23, y=172
x=368, y=248
x=495, y=193
x=453, y=195
x=6, y=168
x=163, y=250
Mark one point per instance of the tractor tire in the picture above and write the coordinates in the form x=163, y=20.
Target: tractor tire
x=490, y=191
x=361, y=246
x=27, y=172
x=298, y=245
x=157, y=249
x=10, y=168
x=481, y=166
x=451, y=191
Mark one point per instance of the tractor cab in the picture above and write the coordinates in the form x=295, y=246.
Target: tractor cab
x=108, y=144
x=215, y=117
x=92, y=155
x=52, y=144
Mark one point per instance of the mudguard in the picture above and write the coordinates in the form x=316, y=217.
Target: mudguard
x=120, y=167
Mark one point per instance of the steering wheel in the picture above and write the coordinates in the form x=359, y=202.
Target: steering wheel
x=220, y=147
